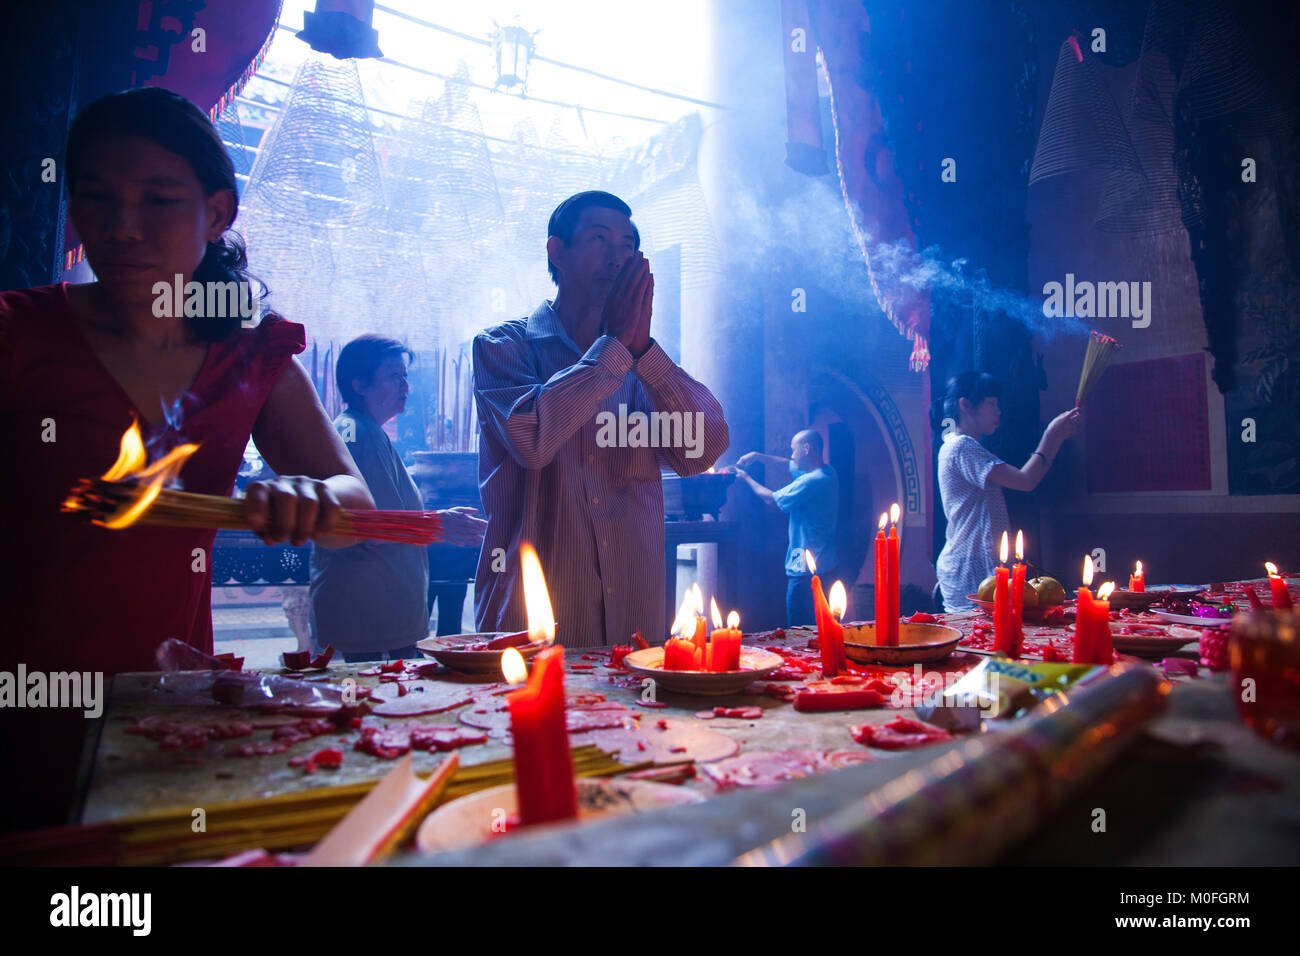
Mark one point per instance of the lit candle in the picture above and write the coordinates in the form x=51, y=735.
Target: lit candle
x=1017, y=629
x=1102, y=650
x=893, y=545
x=1081, y=653
x=544, y=782
x=821, y=611
x=724, y=643
x=882, y=583
x=1137, y=580
x=1277, y=585
x=1092, y=644
x=831, y=640
x=700, y=637
x=1002, y=603
x=681, y=652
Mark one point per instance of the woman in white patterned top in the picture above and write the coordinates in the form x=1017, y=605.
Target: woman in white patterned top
x=971, y=479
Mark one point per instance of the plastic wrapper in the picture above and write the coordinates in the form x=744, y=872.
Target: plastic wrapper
x=1006, y=688
x=191, y=678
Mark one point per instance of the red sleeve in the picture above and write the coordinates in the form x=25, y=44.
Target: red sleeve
x=278, y=341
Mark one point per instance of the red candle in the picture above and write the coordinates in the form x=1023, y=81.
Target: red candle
x=1082, y=621
x=1102, y=650
x=1002, y=603
x=727, y=655
x=724, y=643
x=681, y=654
x=882, y=583
x=1255, y=603
x=831, y=639
x=1137, y=580
x=825, y=642
x=700, y=636
x=892, y=564
x=1017, y=598
x=1277, y=585
x=543, y=765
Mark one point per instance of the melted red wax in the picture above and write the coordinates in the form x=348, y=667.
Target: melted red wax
x=899, y=734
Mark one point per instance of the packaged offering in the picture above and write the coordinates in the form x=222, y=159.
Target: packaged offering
x=1006, y=688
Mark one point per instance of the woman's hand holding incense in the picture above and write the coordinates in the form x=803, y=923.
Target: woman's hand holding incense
x=291, y=506
x=460, y=527
x=1063, y=426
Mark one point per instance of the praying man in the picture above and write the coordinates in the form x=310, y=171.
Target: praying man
x=553, y=468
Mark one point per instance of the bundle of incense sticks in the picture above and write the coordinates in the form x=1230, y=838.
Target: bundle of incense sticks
x=1101, y=349
x=100, y=501
x=276, y=823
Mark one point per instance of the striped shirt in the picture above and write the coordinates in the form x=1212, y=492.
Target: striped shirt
x=551, y=473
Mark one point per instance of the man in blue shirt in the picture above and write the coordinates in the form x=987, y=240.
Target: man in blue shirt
x=812, y=500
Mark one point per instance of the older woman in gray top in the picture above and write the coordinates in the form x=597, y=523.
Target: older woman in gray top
x=371, y=602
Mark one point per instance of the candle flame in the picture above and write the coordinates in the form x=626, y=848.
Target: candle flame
x=682, y=623
x=1020, y=546
x=884, y=519
x=1087, y=571
x=1104, y=592
x=717, y=615
x=894, y=513
x=513, y=667
x=1002, y=549
x=697, y=599
x=838, y=600
x=808, y=558
x=1138, y=572
x=537, y=602
x=733, y=621
x=1271, y=568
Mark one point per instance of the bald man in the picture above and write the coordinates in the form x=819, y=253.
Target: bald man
x=812, y=500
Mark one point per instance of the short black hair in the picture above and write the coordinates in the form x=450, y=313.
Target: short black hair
x=361, y=358
x=564, y=221
x=972, y=386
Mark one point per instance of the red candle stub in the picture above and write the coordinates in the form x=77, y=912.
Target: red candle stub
x=724, y=642
x=1277, y=587
x=681, y=655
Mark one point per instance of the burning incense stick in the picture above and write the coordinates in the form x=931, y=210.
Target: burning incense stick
x=105, y=502
x=131, y=492
x=1101, y=349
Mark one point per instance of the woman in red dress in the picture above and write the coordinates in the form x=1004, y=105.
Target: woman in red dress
x=152, y=194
